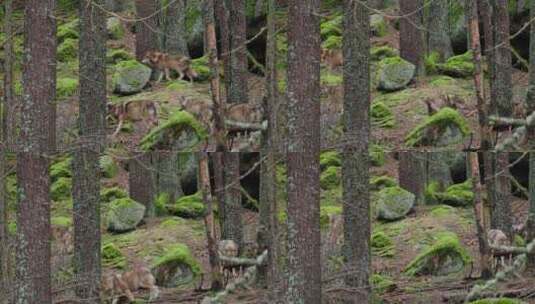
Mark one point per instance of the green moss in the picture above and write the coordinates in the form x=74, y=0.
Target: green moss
x=166, y=133
x=431, y=62
x=332, y=42
x=331, y=27
x=381, y=283
x=458, y=66
x=66, y=87
x=61, y=221
x=379, y=182
x=178, y=254
x=112, y=257
x=498, y=301
x=455, y=195
x=202, y=68
x=172, y=222
x=439, y=121
x=442, y=211
x=381, y=115
x=330, y=79
x=12, y=227
x=61, y=168
x=330, y=159
x=118, y=55
x=330, y=178
x=68, y=50
x=178, y=85
x=325, y=214
x=110, y=194
x=115, y=28
x=191, y=206
x=67, y=32
x=382, y=52
x=68, y=5
x=161, y=202
x=378, y=25
x=442, y=81
x=377, y=155
x=61, y=189
x=382, y=244
x=519, y=241
x=446, y=245
x=108, y=167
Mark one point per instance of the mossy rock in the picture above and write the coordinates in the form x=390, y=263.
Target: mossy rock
x=443, y=81
x=175, y=267
x=112, y=257
x=382, y=245
x=377, y=155
x=68, y=50
x=331, y=27
x=118, y=55
x=382, y=116
x=445, y=256
x=431, y=63
x=326, y=212
x=68, y=30
x=161, y=202
x=202, y=68
x=394, y=203
x=446, y=127
x=66, y=87
x=379, y=182
x=191, y=206
x=115, y=28
x=130, y=77
x=332, y=43
x=382, y=52
x=124, y=214
x=442, y=211
x=61, y=168
x=110, y=194
x=381, y=283
x=61, y=189
x=61, y=221
x=458, y=66
x=108, y=167
x=182, y=131
x=172, y=222
x=378, y=25
x=330, y=178
x=330, y=159
x=498, y=301
x=456, y=195
x=394, y=74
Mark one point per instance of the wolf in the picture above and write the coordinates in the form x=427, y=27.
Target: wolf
x=119, y=286
x=165, y=63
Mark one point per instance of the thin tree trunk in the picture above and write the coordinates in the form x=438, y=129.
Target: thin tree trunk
x=530, y=107
x=232, y=221
x=142, y=180
x=412, y=173
x=238, y=52
x=167, y=175
x=146, y=28
x=37, y=136
x=175, y=28
x=502, y=103
x=355, y=160
x=219, y=187
x=437, y=24
x=411, y=37
x=222, y=15
x=204, y=178
x=86, y=178
x=304, y=262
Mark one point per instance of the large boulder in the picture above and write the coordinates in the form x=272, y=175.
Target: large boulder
x=175, y=267
x=191, y=206
x=130, y=77
x=394, y=73
x=455, y=195
x=446, y=256
x=124, y=214
x=394, y=203
x=458, y=66
x=444, y=128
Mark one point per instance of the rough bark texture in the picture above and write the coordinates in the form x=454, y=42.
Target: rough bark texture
x=222, y=15
x=499, y=192
x=355, y=160
x=37, y=137
x=86, y=172
x=412, y=173
x=411, y=37
x=175, y=28
x=530, y=107
x=142, y=180
x=167, y=176
x=304, y=271
x=438, y=39
x=146, y=35
x=232, y=220
x=485, y=11
x=501, y=100
x=238, y=52
x=219, y=187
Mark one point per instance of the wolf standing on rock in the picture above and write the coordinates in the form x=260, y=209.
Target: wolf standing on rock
x=165, y=63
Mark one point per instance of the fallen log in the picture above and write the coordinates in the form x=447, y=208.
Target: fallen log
x=238, y=126
x=459, y=297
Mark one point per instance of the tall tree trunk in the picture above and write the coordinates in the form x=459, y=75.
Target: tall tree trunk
x=222, y=15
x=146, y=28
x=238, y=52
x=530, y=108
x=411, y=37
x=438, y=39
x=412, y=173
x=502, y=101
x=501, y=213
x=4, y=148
x=86, y=173
x=37, y=137
x=304, y=270
x=175, y=28
x=485, y=11
x=167, y=176
x=232, y=220
x=142, y=180
x=211, y=238
x=355, y=160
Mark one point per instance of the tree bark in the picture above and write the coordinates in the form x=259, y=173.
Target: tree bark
x=411, y=38
x=238, y=52
x=222, y=15
x=37, y=137
x=142, y=180
x=438, y=39
x=412, y=173
x=175, y=28
x=167, y=176
x=232, y=220
x=530, y=108
x=304, y=271
x=146, y=34
x=355, y=160
x=501, y=100
x=86, y=173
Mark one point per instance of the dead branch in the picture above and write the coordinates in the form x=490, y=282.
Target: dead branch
x=238, y=126
x=518, y=135
x=459, y=297
x=497, y=121
x=507, y=250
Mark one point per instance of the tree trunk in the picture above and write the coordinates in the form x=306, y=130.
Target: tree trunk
x=167, y=176
x=175, y=28
x=232, y=221
x=499, y=193
x=86, y=172
x=485, y=11
x=411, y=38
x=222, y=15
x=530, y=107
x=4, y=149
x=438, y=39
x=355, y=160
x=501, y=100
x=37, y=137
x=238, y=52
x=412, y=173
x=146, y=29
x=142, y=180
x=304, y=263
